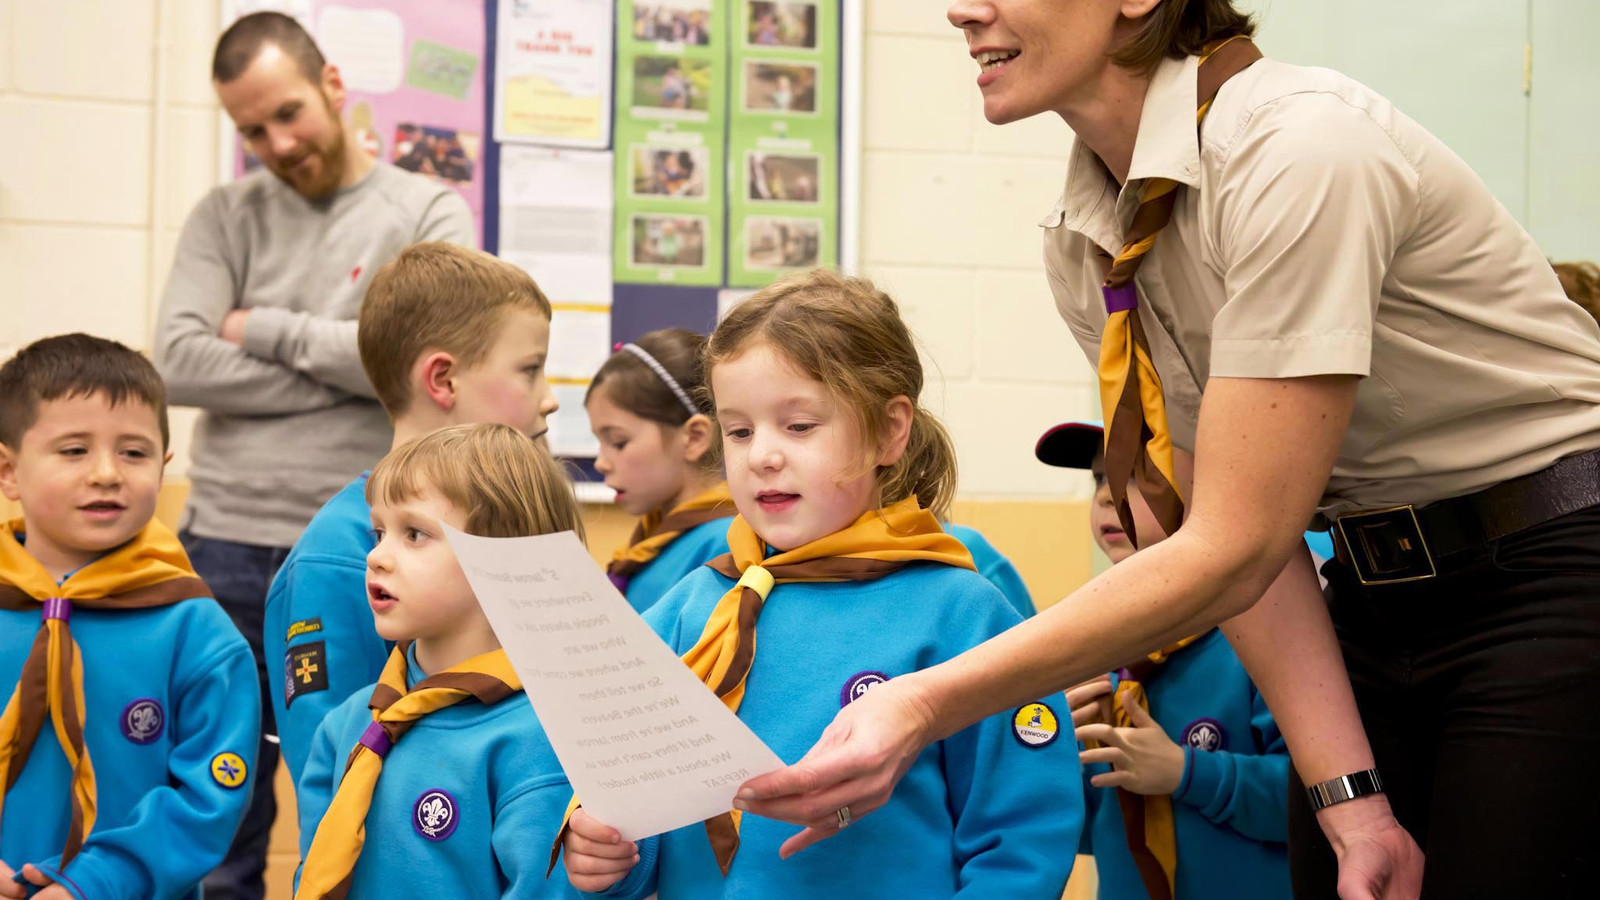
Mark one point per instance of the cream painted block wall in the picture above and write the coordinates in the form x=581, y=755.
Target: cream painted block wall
x=949, y=211
x=102, y=163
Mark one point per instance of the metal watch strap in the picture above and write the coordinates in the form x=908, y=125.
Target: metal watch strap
x=1345, y=787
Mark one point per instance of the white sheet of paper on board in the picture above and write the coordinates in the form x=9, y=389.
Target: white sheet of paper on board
x=646, y=745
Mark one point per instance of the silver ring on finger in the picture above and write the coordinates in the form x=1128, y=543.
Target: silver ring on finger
x=844, y=817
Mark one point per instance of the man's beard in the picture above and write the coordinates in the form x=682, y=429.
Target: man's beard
x=328, y=175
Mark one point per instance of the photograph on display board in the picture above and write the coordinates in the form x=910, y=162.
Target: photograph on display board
x=779, y=87
x=673, y=22
x=671, y=83
x=785, y=23
x=667, y=240
x=783, y=177
x=781, y=243
x=658, y=171
x=441, y=152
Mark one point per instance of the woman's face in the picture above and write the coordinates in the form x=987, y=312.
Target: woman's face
x=1037, y=56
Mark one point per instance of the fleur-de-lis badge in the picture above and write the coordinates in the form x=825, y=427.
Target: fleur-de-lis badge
x=142, y=720
x=434, y=816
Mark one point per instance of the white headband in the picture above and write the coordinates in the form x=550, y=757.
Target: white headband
x=664, y=375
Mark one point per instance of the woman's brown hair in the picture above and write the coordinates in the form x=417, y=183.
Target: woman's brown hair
x=1180, y=28
x=506, y=483
x=1581, y=281
x=847, y=334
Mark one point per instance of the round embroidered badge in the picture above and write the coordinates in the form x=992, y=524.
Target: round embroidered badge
x=142, y=720
x=1035, y=725
x=1205, y=734
x=434, y=816
x=228, y=769
x=857, y=685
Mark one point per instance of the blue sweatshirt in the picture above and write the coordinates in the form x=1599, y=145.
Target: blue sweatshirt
x=992, y=811
x=318, y=623
x=993, y=565
x=173, y=716
x=693, y=549
x=1230, y=811
x=468, y=804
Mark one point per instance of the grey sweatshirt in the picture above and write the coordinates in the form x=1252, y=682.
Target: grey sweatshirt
x=289, y=418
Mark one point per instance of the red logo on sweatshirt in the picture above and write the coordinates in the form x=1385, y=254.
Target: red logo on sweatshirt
x=354, y=274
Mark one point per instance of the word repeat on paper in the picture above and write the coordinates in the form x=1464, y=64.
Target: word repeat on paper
x=646, y=745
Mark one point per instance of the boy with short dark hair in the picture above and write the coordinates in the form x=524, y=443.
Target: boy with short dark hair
x=128, y=744
x=448, y=336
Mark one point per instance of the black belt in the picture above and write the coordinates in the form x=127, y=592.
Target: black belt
x=1404, y=543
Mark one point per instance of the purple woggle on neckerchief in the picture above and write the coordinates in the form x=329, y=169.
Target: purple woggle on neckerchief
x=56, y=608
x=1120, y=298
x=376, y=740
x=619, y=581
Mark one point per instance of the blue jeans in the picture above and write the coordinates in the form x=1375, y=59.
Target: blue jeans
x=239, y=575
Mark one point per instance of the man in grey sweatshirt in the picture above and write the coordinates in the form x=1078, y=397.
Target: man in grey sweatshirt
x=258, y=329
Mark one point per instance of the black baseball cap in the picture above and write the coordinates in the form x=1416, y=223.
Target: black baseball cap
x=1070, y=445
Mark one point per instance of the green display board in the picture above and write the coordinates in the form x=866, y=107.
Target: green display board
x=670, y=127
x=726, y=131
x=783, y=139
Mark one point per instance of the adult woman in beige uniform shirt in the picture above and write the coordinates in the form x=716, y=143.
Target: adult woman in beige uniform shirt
x=1345, y=321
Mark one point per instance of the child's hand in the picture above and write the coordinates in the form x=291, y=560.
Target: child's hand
x=597, y=857
x=1091, y=702
x=52, y=891
x=9, y=889
x=1144, y=760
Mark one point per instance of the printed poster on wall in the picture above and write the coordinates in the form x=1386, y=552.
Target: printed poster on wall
x=553, y=72
x=671, y=109
x=783, y=192
x=413, y=75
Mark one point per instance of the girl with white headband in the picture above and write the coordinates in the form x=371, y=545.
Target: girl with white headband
x=659, y=452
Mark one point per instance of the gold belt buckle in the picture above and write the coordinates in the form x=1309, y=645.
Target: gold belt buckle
x=1386, y=546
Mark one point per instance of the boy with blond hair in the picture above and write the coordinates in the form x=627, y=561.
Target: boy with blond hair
x=128, y=743
x=437, y=781
x=448, y=336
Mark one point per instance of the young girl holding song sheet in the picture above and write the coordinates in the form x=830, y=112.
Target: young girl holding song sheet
x=468, y=782
x=658, y=451
x=838, y=560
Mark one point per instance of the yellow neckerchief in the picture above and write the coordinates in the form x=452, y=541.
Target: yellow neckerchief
x=878, y=543
x=487, y=678
x=149, y=570
x=1147, y=820
x=655, y=532
x=1138, y=445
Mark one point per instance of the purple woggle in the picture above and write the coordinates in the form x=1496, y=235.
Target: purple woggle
x=619, y=581
x=1121, y=298
x=376, y=740
x=57, y=608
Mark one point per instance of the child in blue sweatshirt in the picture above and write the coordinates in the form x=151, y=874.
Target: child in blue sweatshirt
x=659, y=452
x=1199, y=763
x=995, y=568
x=127, y=745
x=438, y=781
x=447, y=335
x=840, y=578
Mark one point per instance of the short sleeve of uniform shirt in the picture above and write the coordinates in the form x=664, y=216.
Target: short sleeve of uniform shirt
x=1306, y=212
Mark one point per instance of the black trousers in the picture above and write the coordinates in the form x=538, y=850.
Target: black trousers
x=1480, y=691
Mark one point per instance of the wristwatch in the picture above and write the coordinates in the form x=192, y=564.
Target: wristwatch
x=1345, y=787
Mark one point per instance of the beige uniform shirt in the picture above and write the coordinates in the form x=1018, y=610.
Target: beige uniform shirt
x=1325, y=233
